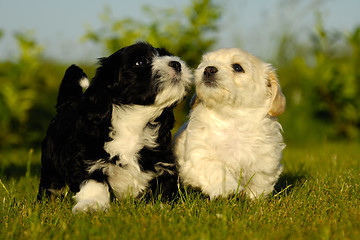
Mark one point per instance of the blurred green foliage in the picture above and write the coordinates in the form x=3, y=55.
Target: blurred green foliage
x=320, y=78
x=187, y=33
x=27, y=86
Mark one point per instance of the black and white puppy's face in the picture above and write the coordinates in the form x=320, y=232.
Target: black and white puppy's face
x=143, y=75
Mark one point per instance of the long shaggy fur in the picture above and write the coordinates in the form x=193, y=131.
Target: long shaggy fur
x=115, y=137
x=232, y=142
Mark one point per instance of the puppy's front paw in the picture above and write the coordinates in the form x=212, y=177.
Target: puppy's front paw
x=90, y=206
x=93, y=196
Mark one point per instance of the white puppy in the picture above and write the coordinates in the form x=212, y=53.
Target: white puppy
x=232, y=142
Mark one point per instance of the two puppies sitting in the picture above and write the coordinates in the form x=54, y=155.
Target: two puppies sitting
x=115, y=137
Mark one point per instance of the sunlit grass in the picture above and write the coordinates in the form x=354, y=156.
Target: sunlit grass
x=317, y=197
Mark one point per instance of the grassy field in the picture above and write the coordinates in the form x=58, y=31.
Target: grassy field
x=317, y=198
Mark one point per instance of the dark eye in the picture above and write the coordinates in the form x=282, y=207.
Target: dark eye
x=237, y=67
x=141, y=62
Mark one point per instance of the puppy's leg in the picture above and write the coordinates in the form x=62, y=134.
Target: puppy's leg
x=221, y=182
x=165, y=183
x=93, y=196
x=209, y=175
x=50, y=183
x=262, y=182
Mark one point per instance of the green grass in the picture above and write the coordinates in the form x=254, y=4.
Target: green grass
x=317, y=198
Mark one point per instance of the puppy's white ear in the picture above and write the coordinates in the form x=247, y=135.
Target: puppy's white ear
x=278, y=101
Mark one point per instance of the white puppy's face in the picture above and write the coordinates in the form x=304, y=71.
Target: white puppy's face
x=233, y=77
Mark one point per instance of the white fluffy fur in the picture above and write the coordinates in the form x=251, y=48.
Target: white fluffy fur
x=130, y=134
x=231, y=144
x=171, y=91
x=93, y=196
x=84, y=82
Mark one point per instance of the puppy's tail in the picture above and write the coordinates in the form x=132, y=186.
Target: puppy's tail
x=72, y=85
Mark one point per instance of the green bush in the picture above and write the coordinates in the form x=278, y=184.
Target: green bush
x=28, y=88
x=321, y=80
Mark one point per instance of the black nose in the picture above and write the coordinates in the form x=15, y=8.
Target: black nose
x=210, y=71
x=209, y=77
x=175, y=65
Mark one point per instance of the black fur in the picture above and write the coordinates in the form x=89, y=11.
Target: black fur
x=76, y=135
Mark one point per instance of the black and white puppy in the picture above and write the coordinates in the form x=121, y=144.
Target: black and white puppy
x=115, y=137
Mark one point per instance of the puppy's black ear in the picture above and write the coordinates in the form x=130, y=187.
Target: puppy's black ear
x=278, y=101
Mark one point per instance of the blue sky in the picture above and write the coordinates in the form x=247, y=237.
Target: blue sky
x=249, y=24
